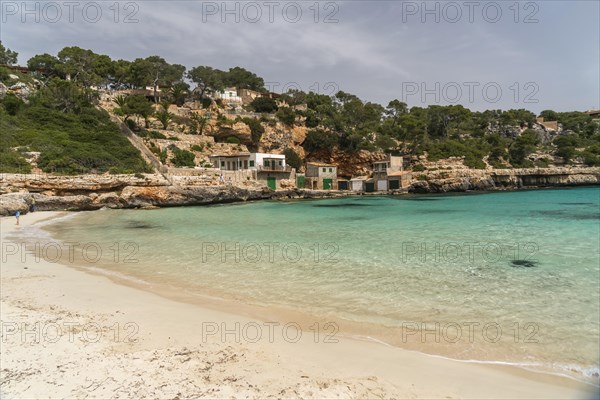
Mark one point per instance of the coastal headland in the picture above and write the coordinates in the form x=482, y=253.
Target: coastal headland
x=92, y=192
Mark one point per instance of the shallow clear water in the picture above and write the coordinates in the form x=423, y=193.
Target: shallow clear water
x=527, y=263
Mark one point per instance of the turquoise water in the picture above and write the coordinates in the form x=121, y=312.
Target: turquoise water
x=527, y=263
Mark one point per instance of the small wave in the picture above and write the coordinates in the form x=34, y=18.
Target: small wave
x=579, y=373
x=589, y=375
x=370, y=339
x=54, y=220
x=35, y=231
x=592, y=372
x=117, y=275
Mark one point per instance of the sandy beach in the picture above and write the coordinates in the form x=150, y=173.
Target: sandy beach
x=71, y=334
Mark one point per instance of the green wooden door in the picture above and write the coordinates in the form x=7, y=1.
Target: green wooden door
x=394, y=184
x=327, y=184
x=272, y=183
x=300, y=181
x=370, y=187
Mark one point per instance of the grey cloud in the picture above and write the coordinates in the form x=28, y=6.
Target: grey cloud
x=371, y=51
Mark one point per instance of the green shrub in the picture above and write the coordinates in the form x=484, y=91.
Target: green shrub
x=591, y=159
x=154, y=148
x=233, y=140
x=156, y=135
x=12, y=104
x=287, y=116
x=385, y=142
x=264, y=105
x=222, y=120
x=319, y=139
x=256, y=129
x=12, y=162
x=292, y=158
x=199, y=148
x=522, y=147
x=132, y=125
x=206, y=103
x=4, y=74
x=183, y=158
x=419, y=168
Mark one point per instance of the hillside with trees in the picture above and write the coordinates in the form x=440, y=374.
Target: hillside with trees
x=61, y=119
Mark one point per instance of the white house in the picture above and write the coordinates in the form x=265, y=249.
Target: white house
x=230, y=162
x=266, y=161
x=253, y=161
x=228, y=95
x=269, y=168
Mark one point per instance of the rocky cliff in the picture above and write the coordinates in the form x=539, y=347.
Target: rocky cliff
x=460, y=180
x=92, y=192
x=83, y=193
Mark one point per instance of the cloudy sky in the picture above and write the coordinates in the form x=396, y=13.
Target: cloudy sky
x=485, y=55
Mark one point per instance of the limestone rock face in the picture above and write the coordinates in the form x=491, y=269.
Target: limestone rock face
x=460, y=180
x=65, y=203
x=79, y=193
x=287, y=183
x=242, y=130
x=73, y=184
x=299, y=135
x=239, y=130
x=452, y=185
x=357, y=164
x=278, y=137
x=109, y=200
x=150, y=197
x=545, y=134
x=13, y=202
x=165, y=196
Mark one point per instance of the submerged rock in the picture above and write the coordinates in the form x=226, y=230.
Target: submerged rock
x=343, y=205
x=523, y=263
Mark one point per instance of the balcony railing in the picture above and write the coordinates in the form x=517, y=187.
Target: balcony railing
x=274, y=168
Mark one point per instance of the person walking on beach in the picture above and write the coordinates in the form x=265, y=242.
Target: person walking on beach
x=229, y=182
x=222, y=179
x=32, y=207
x=17, y=215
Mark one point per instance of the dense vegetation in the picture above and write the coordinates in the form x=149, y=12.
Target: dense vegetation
x=72, y=135
x=343, y=121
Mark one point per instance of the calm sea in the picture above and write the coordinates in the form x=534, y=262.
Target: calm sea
x=496, y=277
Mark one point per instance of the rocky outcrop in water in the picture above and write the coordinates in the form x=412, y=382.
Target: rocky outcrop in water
x=461, y=180
x=92, y=192
x=96, y=192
